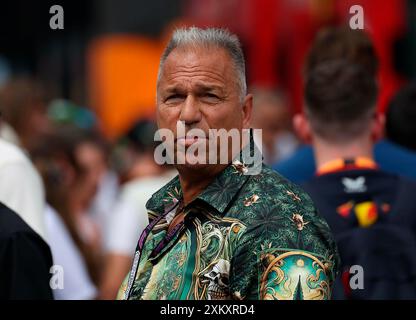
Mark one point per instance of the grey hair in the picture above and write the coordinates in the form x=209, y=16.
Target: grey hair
x=210, y=37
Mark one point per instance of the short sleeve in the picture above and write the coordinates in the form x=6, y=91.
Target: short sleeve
x=290, y=264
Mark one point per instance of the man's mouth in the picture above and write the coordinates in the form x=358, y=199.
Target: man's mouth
x=189, y=140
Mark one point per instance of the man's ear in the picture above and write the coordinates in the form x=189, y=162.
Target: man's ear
x=378, y=126
x=247, y=110
x=302, y=127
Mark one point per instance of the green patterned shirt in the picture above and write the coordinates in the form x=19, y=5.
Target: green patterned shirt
x=244, y=237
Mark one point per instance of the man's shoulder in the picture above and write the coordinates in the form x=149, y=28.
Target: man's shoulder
x=11, y=154
x=276, y=179
x=270, y=200
x=10, y=222
x=14, y=229
x=162, y=197
x=279, y=214
x=276, y=189
x=14, y=163
x=336, y=192
x=354, y=181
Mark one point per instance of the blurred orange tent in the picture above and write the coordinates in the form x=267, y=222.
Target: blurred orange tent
x=122, y=74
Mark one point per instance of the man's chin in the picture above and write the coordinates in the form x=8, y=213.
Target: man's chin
x=194, y=163
x=198, y=167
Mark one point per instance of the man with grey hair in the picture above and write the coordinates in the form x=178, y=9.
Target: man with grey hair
x=222, y=230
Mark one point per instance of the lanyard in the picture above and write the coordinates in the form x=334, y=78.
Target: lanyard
x=140, y=245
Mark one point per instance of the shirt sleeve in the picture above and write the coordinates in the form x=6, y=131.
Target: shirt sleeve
x=295, y=262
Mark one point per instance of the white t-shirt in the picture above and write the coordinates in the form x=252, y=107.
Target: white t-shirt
x=129, y=217
x=77, y=284
x=101, y=208
x=21, y=187
x=8, y=134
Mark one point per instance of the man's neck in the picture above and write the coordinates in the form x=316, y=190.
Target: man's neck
x=193, y=182
x=326, y=152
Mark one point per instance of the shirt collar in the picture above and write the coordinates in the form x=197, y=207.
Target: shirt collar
x=219, y=193
x=341, y=164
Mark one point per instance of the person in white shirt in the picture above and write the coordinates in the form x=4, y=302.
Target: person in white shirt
x=21, y=187
x=77, y=284
x=129, y=215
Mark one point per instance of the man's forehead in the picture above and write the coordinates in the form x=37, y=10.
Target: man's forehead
x=199, y=85
x=199, y=53
x=192, y=60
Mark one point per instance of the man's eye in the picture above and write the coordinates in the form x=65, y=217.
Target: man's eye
x=175, y=98
x=211, y=97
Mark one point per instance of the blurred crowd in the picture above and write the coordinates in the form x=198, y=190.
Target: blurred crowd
x=85, y=192
x=85, y=196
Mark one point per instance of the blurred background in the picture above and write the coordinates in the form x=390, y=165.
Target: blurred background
x=80, y=103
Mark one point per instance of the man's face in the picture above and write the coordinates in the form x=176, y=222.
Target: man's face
x=199, y=87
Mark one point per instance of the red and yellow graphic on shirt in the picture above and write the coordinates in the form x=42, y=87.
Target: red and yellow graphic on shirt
x=366, y=212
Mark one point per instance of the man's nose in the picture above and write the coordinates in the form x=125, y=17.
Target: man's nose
x=190, y=112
